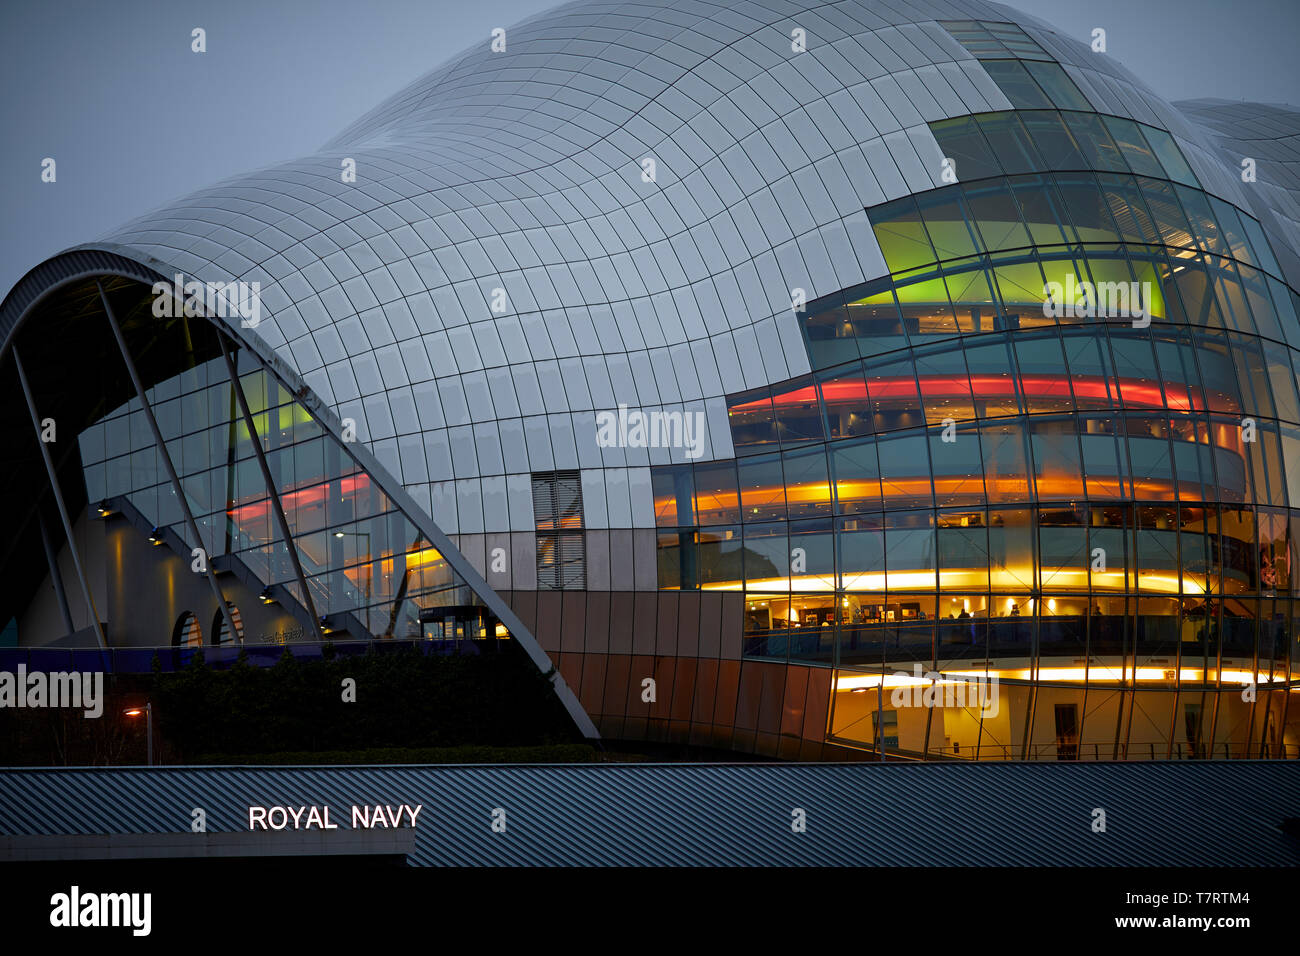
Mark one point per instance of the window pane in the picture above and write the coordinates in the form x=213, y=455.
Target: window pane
x=844, y=395
x=945, y=387
x=753, y=423
x=1098, y=148
x=674, y=494
x=857, y=477
x=972, y=301
x=946, y=223
x=1218, y=374
x=901, y=234
x=957, y=466
x=1252, y=377
x=895, y=402
x=992, y=380
x=1201, y=217
x=1197, y=294
x=1086, y=208
x=807, y=486
x=798, y=418
x=1091, y=372
x=926, y=309
x=1261, y=254
x=905, y=471
x=1155, y=286
x=762, y=488
x=1058, y=471
x=831, y=338
x=876, y=322
x=1124, y=199
x=1171, y=222
x=1042, y=209
x=1054, y=81
x=767, y=557
x=1193, y=462
x=1005, y=470
x=909, y=551
x=1053, y=139
x=716, y=500
x=669, y=561
x=1231, y=296
x=1113, y=287
x=1233, y=234
x=996, y=216
x=1261, y=307
x=963, y=550
x=1010, y=143
x=861, y=555
x=1134, y=146
x=1135, y=370
x=1103, y=461
x=1284, y=309
x=1043, y=378
x=1022, y=290
x=1012, y=78
x=1283, y=381
x=1170, y=156
x=1011, y=548
x=1178, y=373
x=961, y=141
x=719, y=556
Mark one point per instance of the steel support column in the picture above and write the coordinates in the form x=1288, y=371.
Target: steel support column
x=271, y=490
x=166, y=460
x=52, y=559
x=58, y=500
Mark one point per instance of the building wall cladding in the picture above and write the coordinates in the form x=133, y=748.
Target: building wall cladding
x=606, y=644
x=521, y=172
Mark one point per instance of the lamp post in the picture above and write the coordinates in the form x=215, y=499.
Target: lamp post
x=147, y=710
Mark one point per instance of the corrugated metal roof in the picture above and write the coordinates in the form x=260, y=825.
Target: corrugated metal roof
x=1157, y=814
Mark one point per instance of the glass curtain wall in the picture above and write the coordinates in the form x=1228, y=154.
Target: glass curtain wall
x=1058, y=445
x=361, y=556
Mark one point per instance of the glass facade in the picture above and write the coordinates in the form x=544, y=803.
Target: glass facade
x=994, y=39
x=1035, y=416
x=361, y=556
x=1092, y=497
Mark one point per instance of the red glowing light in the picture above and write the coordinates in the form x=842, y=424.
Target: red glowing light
x=1134, y=392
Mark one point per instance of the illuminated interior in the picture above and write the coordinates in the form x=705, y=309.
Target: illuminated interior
x=1098, y=511
x=360, y=554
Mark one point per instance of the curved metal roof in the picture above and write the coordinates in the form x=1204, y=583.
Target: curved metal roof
x=522, y=171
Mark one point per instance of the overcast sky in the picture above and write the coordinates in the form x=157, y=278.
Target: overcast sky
x=134, y=119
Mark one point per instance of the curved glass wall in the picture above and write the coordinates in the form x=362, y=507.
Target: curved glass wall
x=1090, y=496
x=360, y=555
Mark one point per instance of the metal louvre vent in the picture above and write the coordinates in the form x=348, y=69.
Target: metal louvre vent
x=561, y=548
